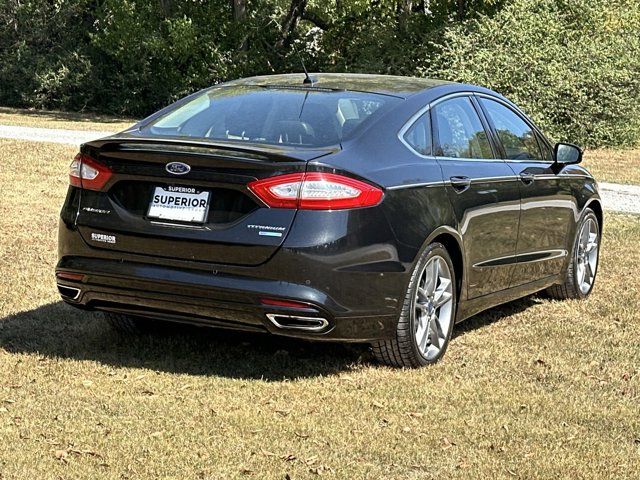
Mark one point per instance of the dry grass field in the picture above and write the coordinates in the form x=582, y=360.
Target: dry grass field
x=617, y=166
x=533, y=389
x=65, y=120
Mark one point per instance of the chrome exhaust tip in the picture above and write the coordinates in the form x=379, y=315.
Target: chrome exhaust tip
x=295, y=322
x=70, y=293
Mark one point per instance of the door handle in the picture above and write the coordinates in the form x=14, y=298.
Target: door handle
x=459, y=183
x=527, y=178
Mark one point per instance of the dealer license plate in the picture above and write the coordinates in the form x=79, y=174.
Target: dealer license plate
x=183, y=204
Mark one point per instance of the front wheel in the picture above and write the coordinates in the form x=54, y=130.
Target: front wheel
x=581, y=273
x=427, y=317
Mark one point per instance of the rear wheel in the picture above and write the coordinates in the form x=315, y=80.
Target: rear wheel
x=426, y=321
x=581, y=273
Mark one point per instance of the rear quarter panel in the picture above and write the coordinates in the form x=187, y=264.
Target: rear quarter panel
x=386, y=239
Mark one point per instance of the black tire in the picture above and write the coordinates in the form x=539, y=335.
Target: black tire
x=130, y=325
x=402, y=350
x=569, y=289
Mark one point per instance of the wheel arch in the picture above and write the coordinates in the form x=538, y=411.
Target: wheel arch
x=451, y=240
x=596, y=205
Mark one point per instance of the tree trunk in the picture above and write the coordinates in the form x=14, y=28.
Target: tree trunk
x=404, y=10
x=166, y=6
x=316, y=19
x=296, y=10
x=239, y=10
x=405, y=6
x=462, y=9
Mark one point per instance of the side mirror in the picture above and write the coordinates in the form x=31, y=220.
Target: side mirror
x=566, y=154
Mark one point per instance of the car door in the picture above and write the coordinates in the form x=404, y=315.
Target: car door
x=547, y=202
x=483, y=191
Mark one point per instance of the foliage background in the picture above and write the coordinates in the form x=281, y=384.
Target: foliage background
x=573, y=65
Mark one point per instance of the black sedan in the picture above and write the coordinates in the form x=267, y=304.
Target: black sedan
x=336, y=207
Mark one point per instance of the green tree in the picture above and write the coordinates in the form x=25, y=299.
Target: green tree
x=574, y=65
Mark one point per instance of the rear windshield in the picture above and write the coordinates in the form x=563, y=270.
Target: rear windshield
x=278, y=116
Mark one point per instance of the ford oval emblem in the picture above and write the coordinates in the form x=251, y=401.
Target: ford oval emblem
x=177, y=168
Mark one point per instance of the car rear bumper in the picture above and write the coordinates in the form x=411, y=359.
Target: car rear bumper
x=224, y=298
x=212, y=300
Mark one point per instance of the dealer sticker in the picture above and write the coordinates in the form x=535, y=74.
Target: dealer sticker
x=101, y=237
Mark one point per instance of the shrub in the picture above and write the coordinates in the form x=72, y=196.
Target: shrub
x=44, y=54
x=573, y=65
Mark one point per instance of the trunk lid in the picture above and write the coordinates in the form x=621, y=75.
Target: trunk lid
x=235, y=228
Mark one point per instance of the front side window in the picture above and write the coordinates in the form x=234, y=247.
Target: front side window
x=419, y=135
x=517, y=137
x=272, y=115
x=460, y=131
x=547, y=153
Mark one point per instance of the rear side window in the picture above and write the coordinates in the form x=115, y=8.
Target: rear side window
x=517, y=137
x=460, y=131
x=419, y=135
x=273, y=115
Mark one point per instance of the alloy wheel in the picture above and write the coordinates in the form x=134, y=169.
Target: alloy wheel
x=587, y=255
x=433, y=307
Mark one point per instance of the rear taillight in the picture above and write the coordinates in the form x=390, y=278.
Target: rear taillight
x=316, y=191
x=85, y=172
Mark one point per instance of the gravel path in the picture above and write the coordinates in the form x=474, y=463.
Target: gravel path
x=620, y=198
x=71, y=137
x=616, y=197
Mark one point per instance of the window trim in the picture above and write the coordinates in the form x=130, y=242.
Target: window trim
x=492, y=138
x=416, y=116
x=429, y=133
x=409, y=125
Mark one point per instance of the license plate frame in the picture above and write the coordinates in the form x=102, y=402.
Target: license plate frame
x=174, y=209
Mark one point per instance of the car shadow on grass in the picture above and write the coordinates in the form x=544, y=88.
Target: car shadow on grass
x=496, y=314
x=57, y=330
x=60, y=331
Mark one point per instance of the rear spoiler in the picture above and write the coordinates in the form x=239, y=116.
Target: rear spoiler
x=254, y=151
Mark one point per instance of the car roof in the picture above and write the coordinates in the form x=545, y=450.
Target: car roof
x=382, y=84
